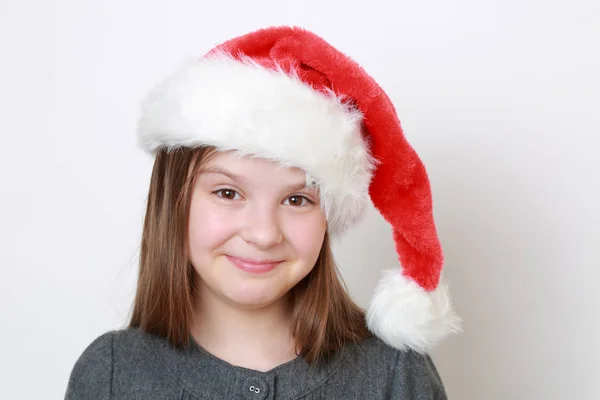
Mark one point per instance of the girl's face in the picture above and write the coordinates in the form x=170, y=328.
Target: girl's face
x=255, y=229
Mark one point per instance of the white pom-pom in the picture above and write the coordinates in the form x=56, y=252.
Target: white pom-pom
x=405, y=316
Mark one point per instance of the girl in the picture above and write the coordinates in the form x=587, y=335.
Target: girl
x=265, y=148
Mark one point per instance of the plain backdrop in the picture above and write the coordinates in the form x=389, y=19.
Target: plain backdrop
x=500, y=98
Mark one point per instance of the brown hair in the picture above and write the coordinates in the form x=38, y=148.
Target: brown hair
x=324, y=318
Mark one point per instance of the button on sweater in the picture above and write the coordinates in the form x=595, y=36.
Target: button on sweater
x=132, y=364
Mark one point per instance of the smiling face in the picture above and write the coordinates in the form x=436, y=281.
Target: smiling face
x=255, y=230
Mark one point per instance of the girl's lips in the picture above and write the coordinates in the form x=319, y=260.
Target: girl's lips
x=253, y=267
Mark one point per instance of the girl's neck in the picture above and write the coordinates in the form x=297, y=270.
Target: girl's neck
x=257, y=339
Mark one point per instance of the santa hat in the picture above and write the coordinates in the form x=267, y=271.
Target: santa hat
x=285, y=94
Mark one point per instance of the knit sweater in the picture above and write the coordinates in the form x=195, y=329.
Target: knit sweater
x=132, y=364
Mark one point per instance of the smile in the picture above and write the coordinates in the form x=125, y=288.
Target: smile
x=254, y=267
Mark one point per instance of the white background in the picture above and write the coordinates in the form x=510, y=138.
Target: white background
x=500, y=98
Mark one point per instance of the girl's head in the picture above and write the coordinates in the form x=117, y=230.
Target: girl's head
x=207, y=212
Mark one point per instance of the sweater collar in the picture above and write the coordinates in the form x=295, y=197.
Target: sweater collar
x=204, y=375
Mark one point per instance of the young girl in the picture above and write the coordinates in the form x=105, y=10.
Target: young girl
x=265, y=148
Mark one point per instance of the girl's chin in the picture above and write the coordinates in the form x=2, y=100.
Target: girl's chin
x=253, y=298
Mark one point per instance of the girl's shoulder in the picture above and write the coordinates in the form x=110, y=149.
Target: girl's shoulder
x=123, y=355
x=406, y=373
x=374, y=351
x=91, y=377
x=115, y=344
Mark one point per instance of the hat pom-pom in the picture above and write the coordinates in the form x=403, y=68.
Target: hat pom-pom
x=406, y=316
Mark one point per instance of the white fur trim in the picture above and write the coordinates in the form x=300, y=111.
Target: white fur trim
x=242, y=106
x=405, y=316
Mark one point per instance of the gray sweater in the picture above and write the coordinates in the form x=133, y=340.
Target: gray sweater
x=131, y=364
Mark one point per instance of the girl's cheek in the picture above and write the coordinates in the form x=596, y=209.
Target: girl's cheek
x=306, y=233
x=213, y=223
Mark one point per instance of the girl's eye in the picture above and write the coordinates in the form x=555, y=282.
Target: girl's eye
x=227, y=194
x=298, y=201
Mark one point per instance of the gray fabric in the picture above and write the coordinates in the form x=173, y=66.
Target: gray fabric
x=131, y=364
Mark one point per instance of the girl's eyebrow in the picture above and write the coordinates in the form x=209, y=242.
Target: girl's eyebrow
x=229, y=174
x=240, y=180
x=297, y=187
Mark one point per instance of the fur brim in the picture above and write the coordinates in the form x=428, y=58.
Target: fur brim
x=239, y=105
x=405, y=316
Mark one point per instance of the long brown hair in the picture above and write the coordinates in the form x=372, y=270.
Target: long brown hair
x=324, y=318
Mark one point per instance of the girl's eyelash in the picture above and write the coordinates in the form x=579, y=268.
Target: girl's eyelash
x=216, y=192
x=302, y=196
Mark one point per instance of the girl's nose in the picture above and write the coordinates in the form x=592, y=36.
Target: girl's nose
x=262, y=228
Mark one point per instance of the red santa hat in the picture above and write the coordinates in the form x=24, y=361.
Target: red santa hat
x=285, y=94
